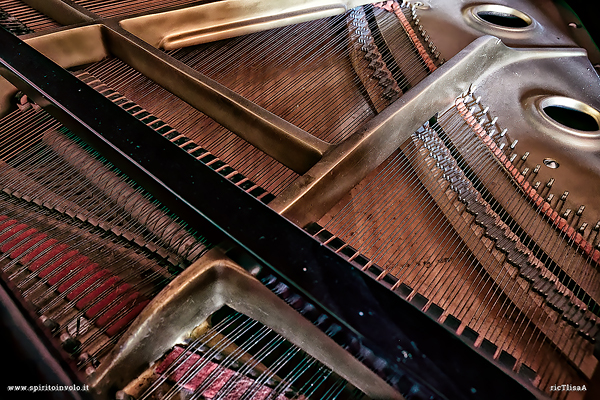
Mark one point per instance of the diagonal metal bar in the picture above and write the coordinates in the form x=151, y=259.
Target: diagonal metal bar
x=346, y=164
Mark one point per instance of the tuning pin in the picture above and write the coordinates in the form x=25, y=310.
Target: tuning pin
x=470, y=90
x=580, y=210
x=270, y=383
x=49, y=323
x=595, y=231
x=255, y=270
x=567, y=213
x=83, y=358
x=235, y=365
x=524, y=158
x=90, y=370
x=564, y=195
x=482, y=113
x=70, y=344
x=525, y=171
x=582, y=228
x=550, y=198
x=22, y=101
x=513, y=157
x=548, y=186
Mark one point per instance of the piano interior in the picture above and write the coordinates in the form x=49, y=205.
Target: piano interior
x=264, y=200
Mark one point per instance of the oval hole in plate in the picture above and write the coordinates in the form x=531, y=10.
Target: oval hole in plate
x=504, y=19
x=550, y=163
x=569, y=115
x=572, y=118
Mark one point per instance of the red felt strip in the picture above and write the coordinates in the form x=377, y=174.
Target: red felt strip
x=28, y=234
x=72, y=265
x=49, y=255
x=88, y=298
x=28, y=245
x=107, y=299
x=58, y=263
x=7, y=223
x=35, y=252
x=12, y=231
x=120, y=306
x=217, y=377
x=122, y=322
x=80, y=275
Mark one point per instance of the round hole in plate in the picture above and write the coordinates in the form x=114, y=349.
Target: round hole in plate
x=501, y=16
x=571, y=113
x=550, y=163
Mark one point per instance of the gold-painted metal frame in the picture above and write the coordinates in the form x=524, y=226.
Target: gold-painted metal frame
x=327, y=172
